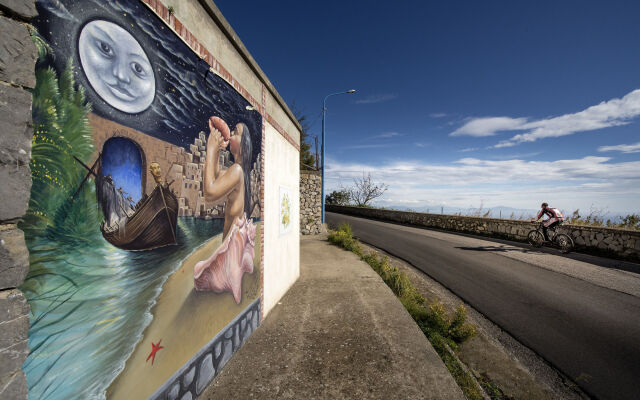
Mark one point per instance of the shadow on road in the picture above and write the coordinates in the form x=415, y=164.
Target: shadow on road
x=496, y=249
x=526, y=248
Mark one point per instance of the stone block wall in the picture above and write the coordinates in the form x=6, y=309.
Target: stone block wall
x=622, y=243
x=310, y=202
x=17, y=61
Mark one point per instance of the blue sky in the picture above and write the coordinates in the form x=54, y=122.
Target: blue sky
x=464, y=102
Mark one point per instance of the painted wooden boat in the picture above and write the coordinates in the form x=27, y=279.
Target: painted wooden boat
x=151, y=225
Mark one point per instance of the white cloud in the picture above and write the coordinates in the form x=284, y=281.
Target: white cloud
x=625, y=148
x=516, y=156
x=377, y=98
x=438, y=115
x=473, y=171
x=386, y=135
x=614, y=112
x=468, y=149
x=480, y=127
x=569, y=183
x=369, y=146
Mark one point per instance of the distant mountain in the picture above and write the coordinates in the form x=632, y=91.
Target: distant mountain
x=506, y=212
x=494, y=212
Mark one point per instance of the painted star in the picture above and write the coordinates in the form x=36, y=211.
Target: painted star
x=154, y=349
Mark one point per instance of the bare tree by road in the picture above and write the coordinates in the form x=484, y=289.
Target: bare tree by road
x=365, y=190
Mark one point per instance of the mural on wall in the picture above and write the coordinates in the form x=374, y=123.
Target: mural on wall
x=144, y=219
x=285, y=210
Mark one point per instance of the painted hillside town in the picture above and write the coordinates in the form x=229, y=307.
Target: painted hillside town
x=185, y=174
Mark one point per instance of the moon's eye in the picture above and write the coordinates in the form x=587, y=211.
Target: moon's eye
x=137, y=68
x=105, y=48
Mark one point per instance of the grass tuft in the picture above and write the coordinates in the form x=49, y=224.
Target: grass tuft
x=441, y=329
x=596, y=218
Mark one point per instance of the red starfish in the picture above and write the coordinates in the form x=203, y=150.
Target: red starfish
x=154, y=349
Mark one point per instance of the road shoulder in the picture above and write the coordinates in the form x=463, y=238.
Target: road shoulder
x=339, y=332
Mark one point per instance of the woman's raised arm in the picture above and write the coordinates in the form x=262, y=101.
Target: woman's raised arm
x=212, y=167
x=216, y=189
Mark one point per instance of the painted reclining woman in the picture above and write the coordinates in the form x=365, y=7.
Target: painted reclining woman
x=223, y=271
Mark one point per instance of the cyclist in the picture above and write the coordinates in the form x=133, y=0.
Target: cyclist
x=555, y=218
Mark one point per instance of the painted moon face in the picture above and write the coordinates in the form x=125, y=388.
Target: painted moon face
x=116, y=66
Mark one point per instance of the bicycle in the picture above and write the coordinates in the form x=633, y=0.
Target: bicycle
x=536, y=238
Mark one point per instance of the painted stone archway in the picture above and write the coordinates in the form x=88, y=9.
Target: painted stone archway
x=122, y=159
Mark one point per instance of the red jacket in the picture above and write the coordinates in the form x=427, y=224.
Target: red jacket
x=551, y=213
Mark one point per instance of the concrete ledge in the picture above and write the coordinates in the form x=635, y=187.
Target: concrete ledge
x=612, y=242
x=17, y=60
x=14, y=258
x=14, y=386
x=20, y=9
x=17, y=53
x=14, y=326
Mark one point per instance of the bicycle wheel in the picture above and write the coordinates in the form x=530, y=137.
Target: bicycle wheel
x=565, y=242
x=535, y=238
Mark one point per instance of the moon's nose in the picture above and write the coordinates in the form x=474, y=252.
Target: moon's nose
x=120, y=71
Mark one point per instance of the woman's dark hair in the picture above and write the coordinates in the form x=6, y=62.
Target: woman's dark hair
x=247, y=156
x=544, y=205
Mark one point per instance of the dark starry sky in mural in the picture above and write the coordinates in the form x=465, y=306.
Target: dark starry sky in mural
x=186, y=95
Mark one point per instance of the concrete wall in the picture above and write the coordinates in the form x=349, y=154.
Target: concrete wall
x=281, y=250
x=617, y=242
x=17, y=59
x=106, y=324
x=310, y=202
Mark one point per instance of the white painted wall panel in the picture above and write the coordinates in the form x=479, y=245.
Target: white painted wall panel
x=281, y=252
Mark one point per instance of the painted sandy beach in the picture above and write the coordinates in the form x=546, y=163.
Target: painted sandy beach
x=184, y=321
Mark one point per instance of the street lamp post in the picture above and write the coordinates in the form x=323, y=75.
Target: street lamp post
x=324, y=111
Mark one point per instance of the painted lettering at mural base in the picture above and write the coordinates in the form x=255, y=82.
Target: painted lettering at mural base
x=144, y=219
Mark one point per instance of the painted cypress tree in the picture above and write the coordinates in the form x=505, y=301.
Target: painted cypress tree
x=61, y=131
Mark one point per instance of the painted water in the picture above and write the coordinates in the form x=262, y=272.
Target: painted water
x=90, y=303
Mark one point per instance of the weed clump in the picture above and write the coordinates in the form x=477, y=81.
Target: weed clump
x=343, y=237
x=441, y=329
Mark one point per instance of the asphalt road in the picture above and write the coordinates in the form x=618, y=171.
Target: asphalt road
x=581, y=317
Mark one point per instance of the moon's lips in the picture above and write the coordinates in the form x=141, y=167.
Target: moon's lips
x=222, y=126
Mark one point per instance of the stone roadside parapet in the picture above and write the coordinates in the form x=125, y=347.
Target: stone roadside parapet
x=339, y=333
x=621, y=243
x=310, y=202
x=17, y=77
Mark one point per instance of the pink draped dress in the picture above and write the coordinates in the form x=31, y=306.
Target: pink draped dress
x=223, y=271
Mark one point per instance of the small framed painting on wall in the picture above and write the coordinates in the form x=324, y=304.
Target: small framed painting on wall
x=285, y=210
